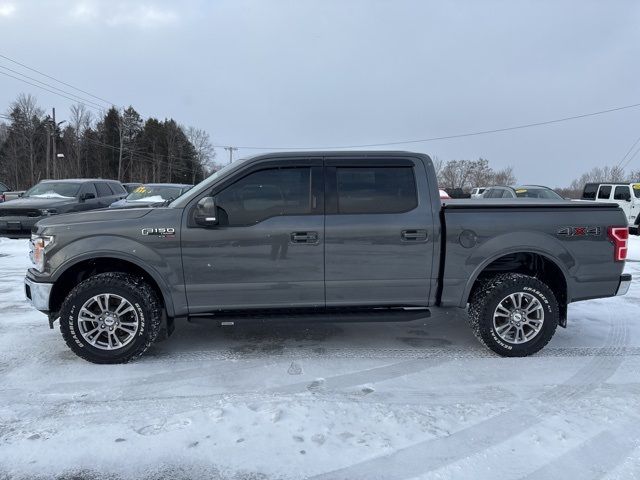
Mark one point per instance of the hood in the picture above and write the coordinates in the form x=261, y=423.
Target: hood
x=35, y=202
x=124, y=203
x=92, y=216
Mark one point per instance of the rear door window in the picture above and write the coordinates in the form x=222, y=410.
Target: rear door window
x=88, y=188
x=103, y=190
x=376, y=190
x=604, y=192
x=117, y=188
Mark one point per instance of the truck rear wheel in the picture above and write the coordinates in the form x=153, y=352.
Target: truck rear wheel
x=111, y=318
x=514, y=315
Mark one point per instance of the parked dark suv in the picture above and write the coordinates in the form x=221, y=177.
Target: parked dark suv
x=52, y=197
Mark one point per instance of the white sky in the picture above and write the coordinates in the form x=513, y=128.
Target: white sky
x=336, y=72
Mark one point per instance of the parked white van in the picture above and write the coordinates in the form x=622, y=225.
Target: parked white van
x=627, y=195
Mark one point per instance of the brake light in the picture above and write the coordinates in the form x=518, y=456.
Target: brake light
x=619, y=236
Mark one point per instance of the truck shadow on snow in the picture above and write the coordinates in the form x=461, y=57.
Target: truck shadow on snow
x=251, y=339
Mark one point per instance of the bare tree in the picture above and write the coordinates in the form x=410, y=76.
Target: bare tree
x=504, y=177
x=203, y=149
x=28, y=116
x=80, y=121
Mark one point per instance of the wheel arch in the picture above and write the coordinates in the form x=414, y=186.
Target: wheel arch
x=85, y=266
x=533, y=262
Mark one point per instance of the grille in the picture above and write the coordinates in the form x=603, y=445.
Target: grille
x=19, y=212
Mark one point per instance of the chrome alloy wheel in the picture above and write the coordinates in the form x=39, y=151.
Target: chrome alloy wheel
x=108, y=321
x=518, y=317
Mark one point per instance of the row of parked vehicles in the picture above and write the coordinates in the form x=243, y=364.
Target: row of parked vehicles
x=52, y=197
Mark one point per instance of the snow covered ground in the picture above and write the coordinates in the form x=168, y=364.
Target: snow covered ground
x=365, y=401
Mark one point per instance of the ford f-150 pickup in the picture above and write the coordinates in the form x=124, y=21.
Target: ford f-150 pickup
x=323, y=236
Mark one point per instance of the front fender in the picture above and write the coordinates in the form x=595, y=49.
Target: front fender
x=161, y=265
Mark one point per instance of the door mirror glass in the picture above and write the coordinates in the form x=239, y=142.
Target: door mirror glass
x=206, y=213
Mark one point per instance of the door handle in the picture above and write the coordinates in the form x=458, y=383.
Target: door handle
x=304, y=237
x=413, y=235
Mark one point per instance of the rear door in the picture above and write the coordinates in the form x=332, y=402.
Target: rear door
x=604, y=193
x=379, y=235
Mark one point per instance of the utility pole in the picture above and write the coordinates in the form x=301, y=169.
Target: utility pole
x=54, y=142
x=230, y=150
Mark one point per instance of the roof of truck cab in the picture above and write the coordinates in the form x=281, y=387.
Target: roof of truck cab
x=336, y=153
x=78, y=180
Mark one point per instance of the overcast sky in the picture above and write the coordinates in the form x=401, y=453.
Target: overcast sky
x=341, y=72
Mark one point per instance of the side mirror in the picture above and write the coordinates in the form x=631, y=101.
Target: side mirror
x=87, y=196
x=206, y=212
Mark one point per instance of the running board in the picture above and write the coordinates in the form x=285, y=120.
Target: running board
x=329, y=315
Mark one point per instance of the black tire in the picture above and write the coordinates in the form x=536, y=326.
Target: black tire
x=485, y=300
x=136, y=291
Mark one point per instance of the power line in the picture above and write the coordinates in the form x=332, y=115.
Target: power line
x=55, y=79
x=628, y=152
x=80, y=99
x=631, y=158
x=51, y=91
x=447, y=137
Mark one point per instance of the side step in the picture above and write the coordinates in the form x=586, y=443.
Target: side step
x=321, y=315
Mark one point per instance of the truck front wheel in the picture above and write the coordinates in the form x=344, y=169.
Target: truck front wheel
x=514, y=315
x=111, y=318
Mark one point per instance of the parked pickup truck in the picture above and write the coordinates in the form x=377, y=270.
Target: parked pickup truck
x=323, y=236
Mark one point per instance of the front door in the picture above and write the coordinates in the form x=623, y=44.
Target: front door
x=379, y=232
x=268, y=249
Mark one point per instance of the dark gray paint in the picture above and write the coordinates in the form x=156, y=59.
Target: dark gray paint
x=361, y=257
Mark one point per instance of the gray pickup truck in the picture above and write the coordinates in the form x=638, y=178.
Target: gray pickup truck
x=324, y=236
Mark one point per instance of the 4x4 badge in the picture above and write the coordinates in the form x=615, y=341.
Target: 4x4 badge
x=579, y=231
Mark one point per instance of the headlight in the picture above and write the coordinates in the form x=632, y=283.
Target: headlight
x=48, y=212
x=38, y=245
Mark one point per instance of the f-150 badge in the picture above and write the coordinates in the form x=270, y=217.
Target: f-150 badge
x=159, y=231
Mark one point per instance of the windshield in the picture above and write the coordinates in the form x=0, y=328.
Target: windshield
x=53, y=190
x=154, y=193
x=537, y=193
x=636, y=189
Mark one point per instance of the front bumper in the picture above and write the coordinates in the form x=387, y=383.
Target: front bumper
x=38, y=294
x=625, y=283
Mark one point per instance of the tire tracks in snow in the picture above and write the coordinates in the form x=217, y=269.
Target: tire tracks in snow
x=594, y=458
x=435, y=453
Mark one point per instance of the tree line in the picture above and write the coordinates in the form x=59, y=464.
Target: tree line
x=613, y=174
x=117, y=144
x=467, y=174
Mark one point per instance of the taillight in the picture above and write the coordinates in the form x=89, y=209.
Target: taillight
x=619, y=236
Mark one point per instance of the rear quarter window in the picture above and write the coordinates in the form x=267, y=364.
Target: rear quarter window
x=589, y=192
